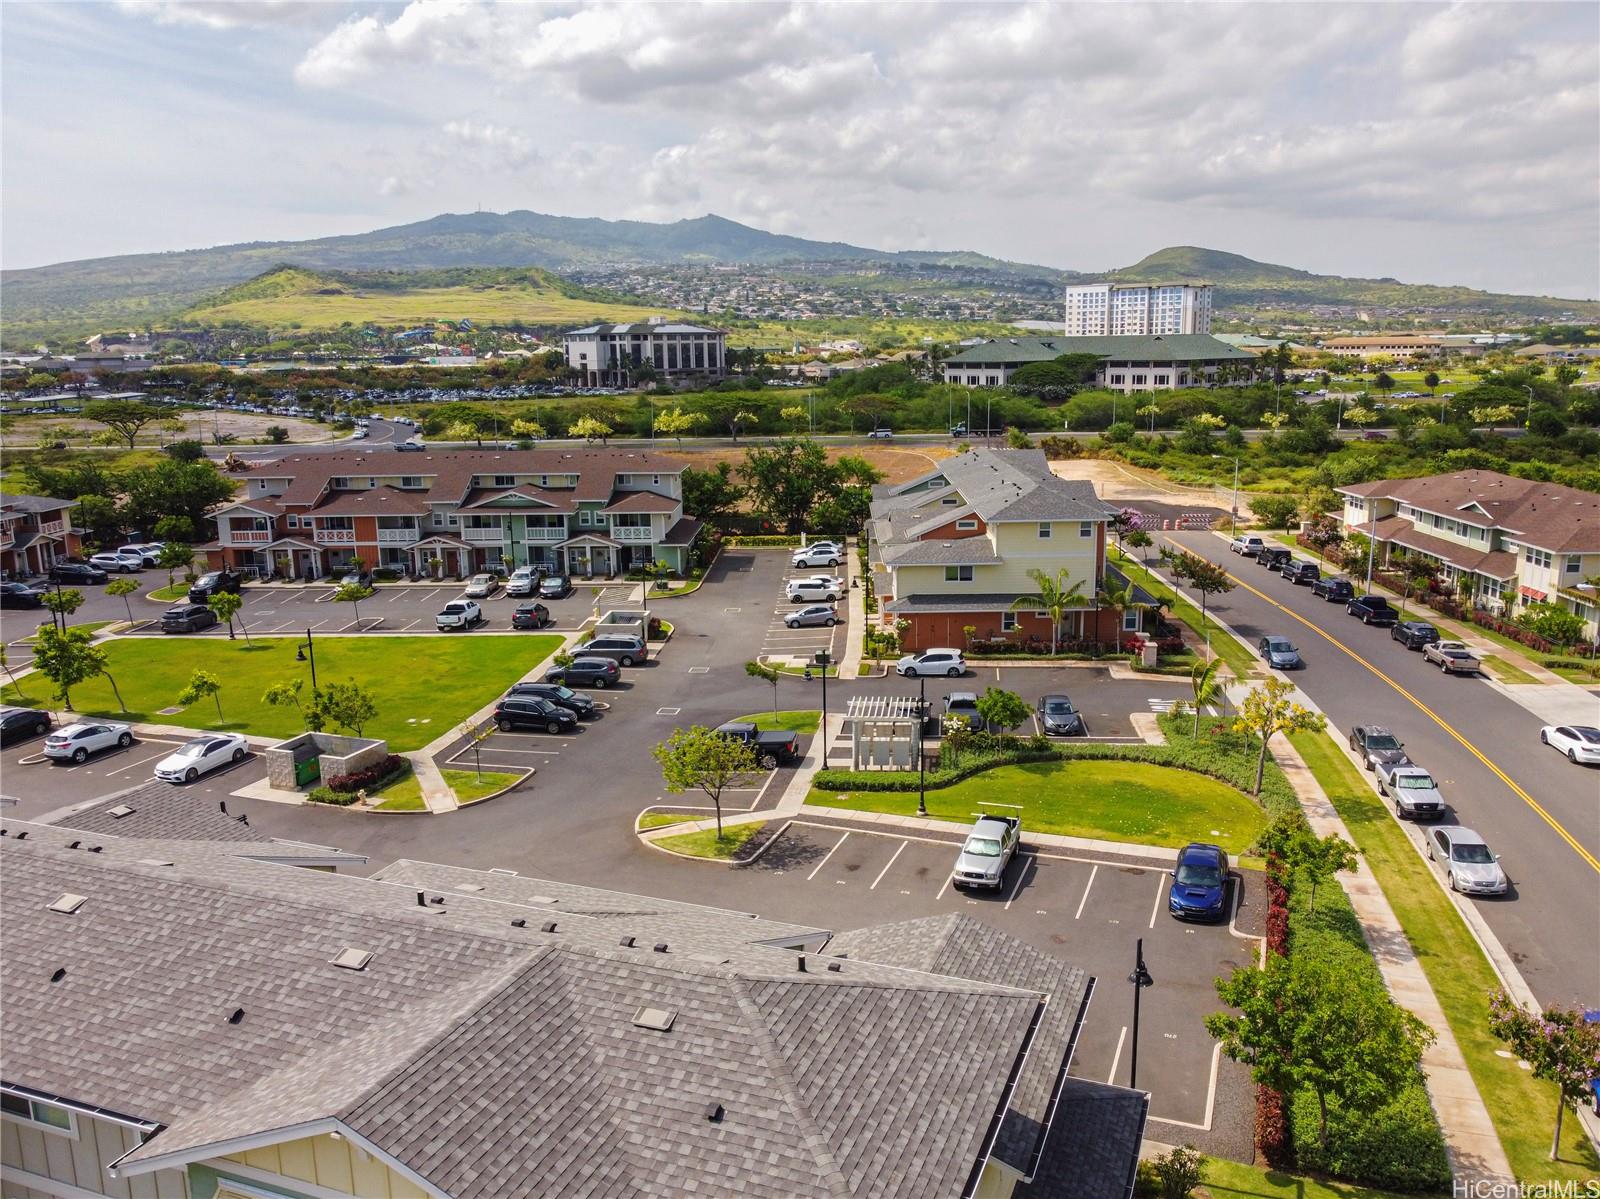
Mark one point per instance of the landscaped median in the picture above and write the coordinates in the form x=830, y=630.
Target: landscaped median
x=469, y=786
x=703, y=843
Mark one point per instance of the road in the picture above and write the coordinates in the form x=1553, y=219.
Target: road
x=1540, y=813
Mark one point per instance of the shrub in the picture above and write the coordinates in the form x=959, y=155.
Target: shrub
x=372, y=778
x=328, y=795
x=1272, y=1129
x=763, y=539
x=1398, y=1147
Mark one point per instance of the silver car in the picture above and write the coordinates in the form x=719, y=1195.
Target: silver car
x=1468, y=865
x=986, y=852
x=1415, y=794
x=816, y=614
x=77, y=741
x=482, y=586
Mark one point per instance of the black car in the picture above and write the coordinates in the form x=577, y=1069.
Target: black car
x=1337, y=591
x=555, y=587
x=1372, y=609
x=530, y=616
x=560, y=695
x=1414, y=634
x=214, y=581
x=19, y=595
x=76, y=572
x=586, y=672
x=1273, y=557
x=187, y=618
x=1300, y=572
x=20, y=724
x=531, y=711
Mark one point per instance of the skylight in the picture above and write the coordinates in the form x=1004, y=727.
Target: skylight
x=659, y=1019
x=68, y=903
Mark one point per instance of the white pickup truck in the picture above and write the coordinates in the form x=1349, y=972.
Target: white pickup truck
x=459, y=614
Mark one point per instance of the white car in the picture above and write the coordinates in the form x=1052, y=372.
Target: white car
x=823, y=553
x=1578, y=742
x=148, y=551
x=932, y=661
x=77, y=741
x=814, y=591
x=1247, y=544
x=202, y=755
x=523, y=581
x=482, y=586
x=127, y=563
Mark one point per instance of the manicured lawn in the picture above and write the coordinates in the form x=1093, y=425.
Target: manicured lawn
x=88, y=626
x=1234, y=1180
x=704, y=844
x=1180, y=609
x=423, y=686
x=1575, y=670
x=470, y=786
x=1522, y=1107
x=662, y=819
x=1113, y=801
x=177, y=591
x=1506, y=671
x=789, y=722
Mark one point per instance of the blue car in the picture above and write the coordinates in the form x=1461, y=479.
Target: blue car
x=1199, y=888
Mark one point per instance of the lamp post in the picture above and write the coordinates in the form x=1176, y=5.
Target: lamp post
x=1233, y=512
x=1140, y=978
x=823, y=660
x=1528, y=417
x=300, y=651
x=1372, y=539
x=922, y=773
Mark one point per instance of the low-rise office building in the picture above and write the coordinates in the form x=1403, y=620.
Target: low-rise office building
x=609, y=355
x=1128, y=364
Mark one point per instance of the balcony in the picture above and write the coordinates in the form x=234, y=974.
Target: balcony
x=544, y=533
x=334, y=536
x=248, y=536
x=401, y=536
x=632, y=533
x=492, y=535
x=52, y=528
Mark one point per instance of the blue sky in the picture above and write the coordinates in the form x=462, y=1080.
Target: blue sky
x=1444, y=144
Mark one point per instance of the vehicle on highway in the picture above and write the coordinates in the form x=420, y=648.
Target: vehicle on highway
x=1376, y=745
x=1372, y=609
x=1247, y=544
x=214, y=581
x=202, y=755
x=772, y=747
x=817, y=614
x=562, y=696
x=1415, y=794
x=1576, y=742
x=623, y=650
x=1274, y=556
x=880, y=435
x=410, y=446
x=555, y=587
x=530, y=614
x=187, y=618
x=459, y=614
x=1339, y=591
x=20, y=595
x=1469, y=867
x=118, y=562
x=1300, y=573
x=1413, y=634
x=1199, y=888
x=963, y=706
x=823, y=553
x=76, y=572
x=599, y=673
x=482, y=586
x=1452, y=657
x=987, y=851
x=533, y=711
x=77, y=741
x=932, y=661
x=815, y=590
x=958, y=430
x=22, y=724
x=1280, y=653
x=1058, y=718
x=523, y=581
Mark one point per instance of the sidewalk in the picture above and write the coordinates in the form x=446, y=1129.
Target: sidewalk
x=856, y=618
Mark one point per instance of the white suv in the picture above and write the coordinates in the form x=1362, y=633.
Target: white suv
x=523, y=581
x=1247, y=544
x=817, y=590
x=821, y=553
x=932, y=661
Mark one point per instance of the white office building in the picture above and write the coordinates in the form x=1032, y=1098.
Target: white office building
x=606, y=355
x=1137, y=310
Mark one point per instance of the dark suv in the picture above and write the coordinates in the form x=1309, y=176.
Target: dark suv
x=586, y=672
x=1336, y=591
x=187, y=618
x=1372, y=609
x=214, y=581
x=1273, y=557
x=532, y=711
x=1414, y=634
x=1301, y=572
x=560, y=695
x=76, y=572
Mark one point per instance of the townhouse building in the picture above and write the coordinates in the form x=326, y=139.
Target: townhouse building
x=608, y=355
x=1128, y=364
x=952, y=548
x=1498, y=540
x=35, y=530
x=1137, y=309
x=590, y=513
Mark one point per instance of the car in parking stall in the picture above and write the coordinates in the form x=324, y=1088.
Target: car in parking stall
x=986, y=852
x=555, y=587
x=1469, y=865
x=1058, y=717
x=213, y=582
x=1578, y=743
x=818, y=553
x=562, y=696
x=1334, y=591
x=1280, y=653
x=624, y=650
x=482, y=586
x=202, y=755
x=459, y=614
x=1372, y=610
x=943, y=661
x=187, y=618
x=532, y=711
x=814, y=616
x=77, y=741
x=117, y=562
x=963, y=706
x=22, y=724
x=76, y=572
x=20, y=595
x=530, y=614
x=356, y=578
x=599, y=673
x=772, y=747
x=814, y=590
x=1452, y=657
x=1413, y=634
x=149, y=551
x=1247, y=544
x=1199, y=887
x=1376, y=746
x=523, y=581
x=1413, y=790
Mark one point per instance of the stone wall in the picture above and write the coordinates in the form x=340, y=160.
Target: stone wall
x=336, y=754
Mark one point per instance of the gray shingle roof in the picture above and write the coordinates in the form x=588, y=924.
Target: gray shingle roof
x=961, y=551
x=1093, y=1150
x=1165, y=347
x=937, y=602
x=1003, y=485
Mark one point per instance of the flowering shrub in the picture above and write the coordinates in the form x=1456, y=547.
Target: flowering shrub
x=370, y=779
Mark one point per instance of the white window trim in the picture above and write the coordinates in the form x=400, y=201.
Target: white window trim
x=966, y=524
x=1044, y=530
x=1008, y=622
x=70, y=1132
x=1086, y=528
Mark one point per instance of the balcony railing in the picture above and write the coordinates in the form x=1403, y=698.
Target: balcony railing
x=632, y=533
x=495, y=536
x=52, y=528
x=248, y=536
x=541, y=533
x=399, y=536
x=334, y=536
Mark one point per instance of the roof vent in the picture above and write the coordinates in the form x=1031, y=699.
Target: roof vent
x=834, y=967
x=468, y=887
x=23, y=835
x=74, y=844
x=502, y=870
x=549, y=926
x=236, y=1015
x=223, y=804
x=661, y=947
x=121, y=810
x=438, y=899
x=60, y=973
x=422, y=899
x=542, y=899
x=714, y=1112
x=800, y=963
x=626, y=942
x=519, y=922
x=657, y=1018
x=353, y=959
x=68, y=903
x=96, y=848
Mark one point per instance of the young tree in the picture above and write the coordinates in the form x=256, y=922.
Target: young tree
x=62, y=604
x=1431, y=382
x=1016, y=439
x=590, y=428
x=287, y=695
x=1324, y=533
x=5, y=665
x=201, y=684
x=174, y=556
x=1419, y=573
x=349, y=705
x=709, y=494
x=462, y=430
x=1137, y=539
x=124, y=418
x=678, y=422
x=1552, y=622
x=476, y=733
x=1206, y=686
x=528, y=430
x=174, y=528
x=1384, y=382
x=1321, y=858
x=1558, y=1043
x=1207, y=579
x=226, y=605
x=65, y=657
x=353, y=594
x=767, y=674
x=1002, y=709
x=1267, y=711
x=1119, y=597
x=702, y=759
x=1054, y=597
x=1178, y=1171
x=1275, y=511
x=125, y=586
x=796, y=417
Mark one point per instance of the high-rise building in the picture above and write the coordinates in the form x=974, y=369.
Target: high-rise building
x=1137, y=310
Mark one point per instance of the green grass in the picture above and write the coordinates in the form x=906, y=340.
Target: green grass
x=649, y=820
x=788, y=722
x=177, y=591
x=1234, y=1180
x=704, y=844
x=1522, y=1107
x=470, y=787
x=438, y=680
x=1228, y=648
x=1506, y=671
x=1113, y=801
x=89, y=626
x=1574, y=670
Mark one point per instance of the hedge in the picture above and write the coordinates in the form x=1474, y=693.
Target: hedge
x=761, y=539
x=373, y=777
x=1397, y=1148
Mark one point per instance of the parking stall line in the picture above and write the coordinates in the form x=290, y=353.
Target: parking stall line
x=1086, y=886
x=138, y=761
x=1116, y=1058
x=826, y=856
x=885, y=870
x=1211, y=1096
x=942, y=889
x=1155, y=910
x=1016, y=887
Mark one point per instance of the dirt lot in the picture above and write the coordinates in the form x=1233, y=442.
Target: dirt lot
x=24, y=432
x=897, y=465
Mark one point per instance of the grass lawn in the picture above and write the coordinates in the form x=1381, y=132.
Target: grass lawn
x=704, y=844
x=789, y=722
x=423, y=686
x=1234, y=1180
x=470, y=787
x=177, y=591
x=1114, y=801
x=1506, y=671
x=650, y=820
x=88, y=626
x=1574, y=670
x=1522, y=1108
x=1180, y=609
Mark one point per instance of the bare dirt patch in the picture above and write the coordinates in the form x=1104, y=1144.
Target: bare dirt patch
x=897, y=465
x=24, y=432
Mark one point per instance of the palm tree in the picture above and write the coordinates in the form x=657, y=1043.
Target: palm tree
x=1119, y=598
x=1203, y=678
x=1054, y=598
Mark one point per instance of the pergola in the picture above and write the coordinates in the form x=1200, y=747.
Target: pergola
x=885, y=731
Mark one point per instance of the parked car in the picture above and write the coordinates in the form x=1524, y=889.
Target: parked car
x=1413, y=634
x=1452, y=657
x=482, y=586
x=816, y=614
x=1334, y=590
x=356, y=578
x=1469, y=867
x=958, y=430
x=555, y=587
x=822, y=553
x=76, y=572
x=1273, y=556
x=1578, y=742
x=586, y=672
x=19, y=595
x=624, y=650
x=772, y=746
x=148, y=551
x=1376, y=745
x=1247, y=544
x=561, y=696
x=530, y=614
x=523, y=581
x=187, y=618
x=1372, y=609
x=1199, y=889
x=1415, y=794
x=202, y=755
x=880, y=435
x=811, y=591
x=1280, y=653
x=411, y=446
x=214, y=581
x=987, y=851
x=1058, y=718
x=22, y=724
x=533, y=711
x=118, y=562
x=932, y=661
x=963, y=705
x=1300, y=573
x=459, y=614
x=77, y=741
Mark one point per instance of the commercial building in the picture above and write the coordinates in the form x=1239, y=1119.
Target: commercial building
x=580, y=512
x=1137, y=309
x=1128, y=364
x=608, y=355
x=35, y=530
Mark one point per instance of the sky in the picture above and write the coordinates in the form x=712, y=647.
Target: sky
x=1452, y=144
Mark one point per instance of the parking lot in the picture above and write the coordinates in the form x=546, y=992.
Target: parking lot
x=799, y=646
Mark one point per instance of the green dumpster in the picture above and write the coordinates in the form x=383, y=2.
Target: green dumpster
x=307, y=770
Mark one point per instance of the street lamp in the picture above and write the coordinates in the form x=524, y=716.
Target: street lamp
x=1594, y=647
x=1233, y=513
x=822, y=659
x=300, y=650
x=1372, y=539
x=922, y=772
x=1140, y=978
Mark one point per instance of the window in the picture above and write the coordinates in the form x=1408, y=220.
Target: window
x=1574, y=565
x=294, y=521
x=411, y=480
x=505, y=480
x=1008, y=622
x=966, y=524
x=1086, y=528
x=1117, y=378
x=950, y=501
x=1535, y=557
x=45, y=1115
x=583, y=516
x=1130, y=620
x=339, y=481
x=994, y=380
x=655, y=480
x=958, y=574
x=1044, y=530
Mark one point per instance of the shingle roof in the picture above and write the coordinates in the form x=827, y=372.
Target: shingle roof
x=1495, y=564
x=1546, y=515
x=962, y=551
x=32, y=503
x=640, y=501
x=1002, y=485
x=374, y=501
x=1093, y=1148
x=1167, y=347
x=964, y=602
x=683, y=532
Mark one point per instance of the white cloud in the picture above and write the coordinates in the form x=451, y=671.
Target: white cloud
x=225, y=14
x=496, y=144
x=393, y=185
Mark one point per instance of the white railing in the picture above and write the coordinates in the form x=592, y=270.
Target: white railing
x=7, y=540
x=484, y=534
x=53, y=528
x=334, y=536
x=632, y=533
x=403, y=536
x=540, y=533
x=241, y=536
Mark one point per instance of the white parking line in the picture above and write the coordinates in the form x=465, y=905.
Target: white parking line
x=1211, y=1095
x=826, y=856
x=943, y=889
x=885, y=870
x=1161, y=887
x=1116, y=1058
x=1030, y=864
x=1086, y=886
x=150, y=758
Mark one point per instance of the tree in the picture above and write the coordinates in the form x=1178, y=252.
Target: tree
x=287, y=695
x=65, y=657
x=1054, y=597
x=123, y=417
x=1315, y=1022
x=1138, y=539
x=1324, y=533
x=786, y=479
x=528, y=430
x=97, y=515
x=1560, y=1045
x=1321, y=858
x=62, y=603
x=1552, y=622
x=1566, y=374
x=702, y=759
x=174, y=556
x=1275, y=511
x=1119, y=597
x=1206, y=686
x=174, y=528
x=1016, y=439
x=1359, y=416
x=1268, y=710
x=277, y=434
x=1494, y=415
x=476, y=733
x=348, y=705
x=1002, y=709
x=708, y=494
x=187, y=489
x=226, y=605
x=5, y=665
x=678, y=422
x=1207, y=579
x=1419, y=573
x=794, y=416
x=201, y=684
x=590, y=428
x=767, y=674
x=1178, y=1171
x=125, y=586
x=186, y=449
x=1431, y=382
x=353, y=594
x=461, y=430
x=1384, y=382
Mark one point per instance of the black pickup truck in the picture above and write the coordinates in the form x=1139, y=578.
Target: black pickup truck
x=772, y=746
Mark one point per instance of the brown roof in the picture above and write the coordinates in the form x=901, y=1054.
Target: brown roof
x=640, y=501
x=1496, y=564
x=1546, y=515
x=555, y=500
x=375, y=501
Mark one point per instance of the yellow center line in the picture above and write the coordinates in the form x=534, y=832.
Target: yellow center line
x=1436, y=718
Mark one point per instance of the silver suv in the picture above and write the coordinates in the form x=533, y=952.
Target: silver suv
x=624, y=651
